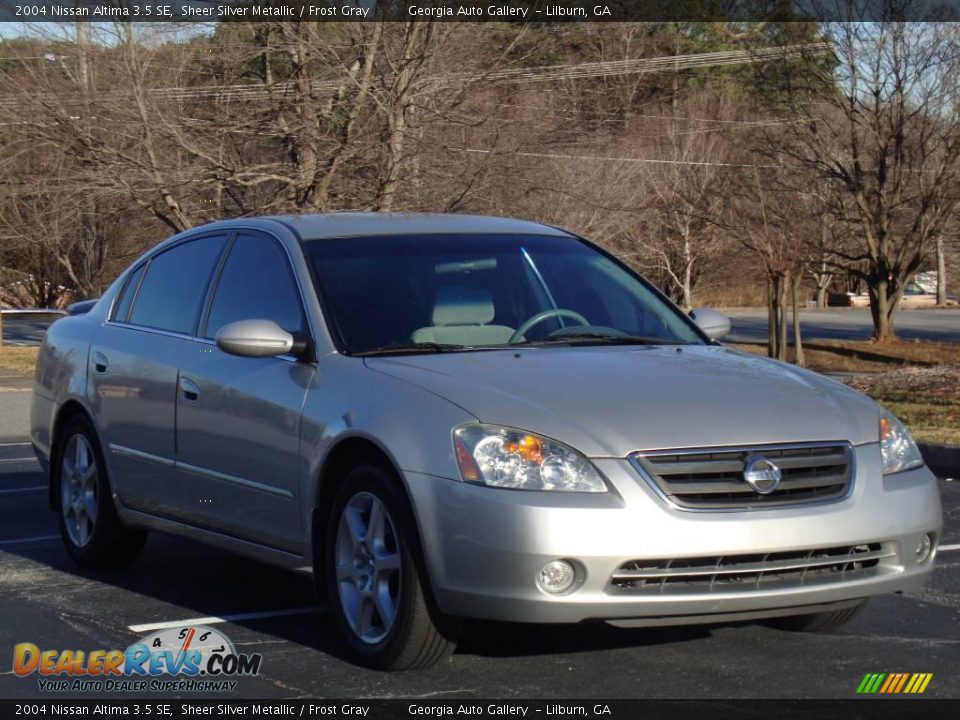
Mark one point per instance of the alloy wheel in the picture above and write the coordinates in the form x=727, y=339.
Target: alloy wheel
x=78, y=490
x=368, y=563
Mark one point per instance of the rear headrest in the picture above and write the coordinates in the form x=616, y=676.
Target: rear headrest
x=462, y=306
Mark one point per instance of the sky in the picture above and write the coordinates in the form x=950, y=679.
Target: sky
x=10, y=30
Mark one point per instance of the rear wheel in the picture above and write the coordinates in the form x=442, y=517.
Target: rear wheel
x=375, y=576
x=92, y=533
x=817, y=622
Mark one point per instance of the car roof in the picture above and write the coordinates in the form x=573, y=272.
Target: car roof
x=355, y=224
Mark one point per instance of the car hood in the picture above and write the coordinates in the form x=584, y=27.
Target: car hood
x=610, y=401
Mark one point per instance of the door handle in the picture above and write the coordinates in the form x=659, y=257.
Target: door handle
x=190, y=390
x=100, y=362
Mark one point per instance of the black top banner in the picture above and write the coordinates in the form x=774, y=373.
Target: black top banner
x=531, y=11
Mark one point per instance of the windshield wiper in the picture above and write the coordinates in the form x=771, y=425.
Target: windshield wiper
x=420, y=347
x=597, y=338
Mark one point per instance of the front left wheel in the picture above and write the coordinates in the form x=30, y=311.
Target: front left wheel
x=375, y=576
x=92, y=533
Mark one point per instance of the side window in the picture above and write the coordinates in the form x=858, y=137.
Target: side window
x=127, y=293
x=175, y=283
x=256, y=284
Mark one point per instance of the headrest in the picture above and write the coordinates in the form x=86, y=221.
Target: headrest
x=462, y=306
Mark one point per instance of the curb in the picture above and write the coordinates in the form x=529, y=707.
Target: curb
x=943, y=460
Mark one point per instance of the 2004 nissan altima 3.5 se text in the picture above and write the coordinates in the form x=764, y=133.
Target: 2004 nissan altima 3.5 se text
x=453, y=417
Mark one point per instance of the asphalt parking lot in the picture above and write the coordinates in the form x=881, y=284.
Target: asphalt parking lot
x=45, y=600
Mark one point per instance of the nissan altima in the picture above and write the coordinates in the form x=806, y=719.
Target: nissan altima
x=451, y=417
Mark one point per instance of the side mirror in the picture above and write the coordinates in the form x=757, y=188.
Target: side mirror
x=713, y=324
x=82, y=307
x=257, y=338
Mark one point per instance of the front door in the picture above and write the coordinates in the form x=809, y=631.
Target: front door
x=238, y=418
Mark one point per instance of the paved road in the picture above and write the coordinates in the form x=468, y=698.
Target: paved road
x=749, y=326
x=14, y=407
x=26, y=329
x=46, y=600
x=852, y=324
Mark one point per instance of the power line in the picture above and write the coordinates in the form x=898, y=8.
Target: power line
x=606, y=158
x=547, y=73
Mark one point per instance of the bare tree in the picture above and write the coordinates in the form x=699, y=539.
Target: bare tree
x=887, y=138
x=768, y=221
x=676, y=234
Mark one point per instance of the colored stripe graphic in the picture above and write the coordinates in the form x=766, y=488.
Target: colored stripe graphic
x=892, y=678
x=894, y=683
x=870, y=683
x=903, y=681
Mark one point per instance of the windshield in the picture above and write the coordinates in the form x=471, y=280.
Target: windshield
x=433, y=293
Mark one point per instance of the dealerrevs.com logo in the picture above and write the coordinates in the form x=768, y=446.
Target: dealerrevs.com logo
x=187, y=659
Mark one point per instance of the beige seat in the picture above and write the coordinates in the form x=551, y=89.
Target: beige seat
x=461, y=316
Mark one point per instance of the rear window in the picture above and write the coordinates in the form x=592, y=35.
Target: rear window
x=174, y=286
x=127, y=294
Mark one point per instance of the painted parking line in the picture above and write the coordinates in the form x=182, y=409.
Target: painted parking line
x=38, y=538
x=14, y=444
x=35, y=488
x=948, y=548
x=219, y=619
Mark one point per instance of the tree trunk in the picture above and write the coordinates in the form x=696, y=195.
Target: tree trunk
x=687, y=277
x=782, y=303
x=882, y=307
x=771, y=318
x=941, y=273
x=822, y=297
x=797, y=339
x=401, y=105
x=397, y=123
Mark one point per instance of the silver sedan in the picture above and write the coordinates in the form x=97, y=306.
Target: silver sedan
x=450, y=417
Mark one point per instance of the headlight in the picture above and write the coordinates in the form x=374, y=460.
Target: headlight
x=508, y=458
x=897, y=448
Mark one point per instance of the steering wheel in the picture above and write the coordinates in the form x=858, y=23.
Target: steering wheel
x=540, y=317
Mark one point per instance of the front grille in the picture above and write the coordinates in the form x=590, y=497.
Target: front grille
x=712, y=479
x=762, y=571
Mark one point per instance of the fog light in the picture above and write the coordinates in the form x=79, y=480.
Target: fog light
x=924, y=547
x=556, y=577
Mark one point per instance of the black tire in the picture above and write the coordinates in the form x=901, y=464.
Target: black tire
x=817, y=622
x=108, y=543
x=418, y=635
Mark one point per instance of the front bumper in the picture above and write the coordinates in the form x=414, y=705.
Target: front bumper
x=484, y=546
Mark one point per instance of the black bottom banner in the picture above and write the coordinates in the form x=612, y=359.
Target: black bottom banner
x=875, y=708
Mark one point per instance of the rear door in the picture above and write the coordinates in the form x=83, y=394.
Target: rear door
x=238, y=418
x=133, y=370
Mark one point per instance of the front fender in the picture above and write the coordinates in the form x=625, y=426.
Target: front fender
x=410, y=425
